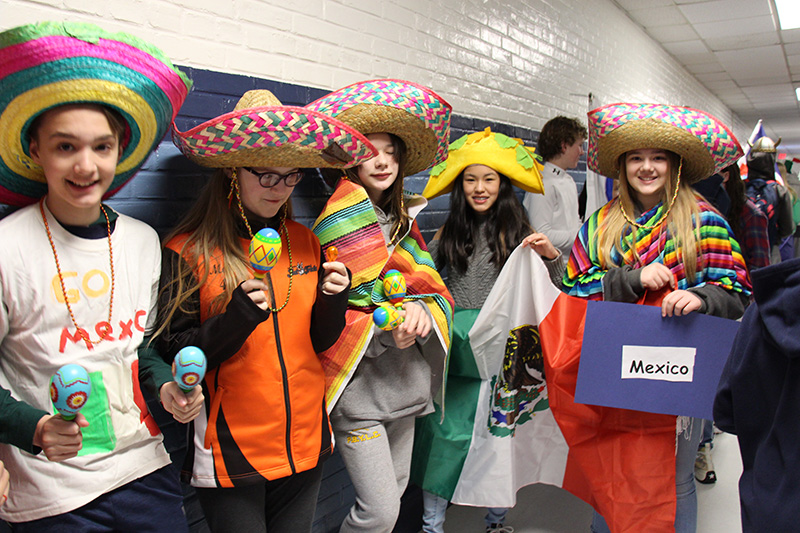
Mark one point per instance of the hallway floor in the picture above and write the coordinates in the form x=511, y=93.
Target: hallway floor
x=547, y=509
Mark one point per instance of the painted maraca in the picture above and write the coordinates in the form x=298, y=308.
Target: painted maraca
x=394, y=286
x=386, y=317
x=69, y=390
x=265, y=249
x=189, y=367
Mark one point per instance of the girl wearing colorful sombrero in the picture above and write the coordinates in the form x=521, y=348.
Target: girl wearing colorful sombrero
x=81, y=110
x=379, y=382
x=485, y=224
x=261, y=440
x=659, y=236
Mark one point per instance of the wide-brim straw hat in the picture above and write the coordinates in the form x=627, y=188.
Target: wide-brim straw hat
x=416, y=114
x=703, y=141
x=262, y=132
x=50, y=64
x=505, y=155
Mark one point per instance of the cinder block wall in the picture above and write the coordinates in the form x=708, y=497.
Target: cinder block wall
x=516, y=62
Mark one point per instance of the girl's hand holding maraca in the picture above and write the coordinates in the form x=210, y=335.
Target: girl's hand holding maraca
x=59, y=439
x=335, y=279
x=416, y=323
x=183, y=398
x=183, y=406
x=257, y=291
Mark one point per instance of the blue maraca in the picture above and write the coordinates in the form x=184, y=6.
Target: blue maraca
x=69, y=390
x=189, y=367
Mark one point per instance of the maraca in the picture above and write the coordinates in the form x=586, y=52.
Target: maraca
x=331, y=253
x=265, y=249
x=386, y=317
x=69, y=390
x=394, y=286
x=189, y=367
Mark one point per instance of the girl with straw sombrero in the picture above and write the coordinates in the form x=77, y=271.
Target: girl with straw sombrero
x=82, y=109
x=659, y=237
x=259, y=444
x=379, y=381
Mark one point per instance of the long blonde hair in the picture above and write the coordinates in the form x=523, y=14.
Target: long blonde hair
x=681, y=223
x=213, y=225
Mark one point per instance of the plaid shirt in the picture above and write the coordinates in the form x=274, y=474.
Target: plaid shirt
x=755, y=247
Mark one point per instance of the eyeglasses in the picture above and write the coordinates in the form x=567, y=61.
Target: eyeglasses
x=271, y=179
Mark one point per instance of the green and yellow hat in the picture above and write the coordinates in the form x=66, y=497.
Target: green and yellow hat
x=506, y=155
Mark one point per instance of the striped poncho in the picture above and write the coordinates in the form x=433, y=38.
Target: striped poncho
x=720, y=258
x=349, y=222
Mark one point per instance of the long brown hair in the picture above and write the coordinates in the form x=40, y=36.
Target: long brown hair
x=680, y=222
x=213, y=228
x=392, y=200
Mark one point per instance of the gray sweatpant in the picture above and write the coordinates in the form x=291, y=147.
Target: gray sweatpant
x=378, y=460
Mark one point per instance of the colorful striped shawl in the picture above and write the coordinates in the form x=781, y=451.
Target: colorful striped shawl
x=349, y=222
x=721, y=260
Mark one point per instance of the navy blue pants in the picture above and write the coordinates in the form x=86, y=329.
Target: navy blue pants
x=153, y=503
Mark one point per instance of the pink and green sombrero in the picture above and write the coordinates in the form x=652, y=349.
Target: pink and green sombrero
x=413, y=112
x=703, y=141
x=49, y=64
x=262, y=132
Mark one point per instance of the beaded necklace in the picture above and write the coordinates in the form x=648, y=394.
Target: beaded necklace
x=80, y=330
x=235, y=190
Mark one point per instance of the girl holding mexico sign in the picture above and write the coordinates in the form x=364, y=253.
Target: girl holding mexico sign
x=659, y=235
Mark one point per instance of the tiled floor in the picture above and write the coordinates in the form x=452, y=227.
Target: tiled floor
x=546, y=509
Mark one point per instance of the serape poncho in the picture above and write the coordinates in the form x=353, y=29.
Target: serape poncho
x=719, y=255
x=349, y=222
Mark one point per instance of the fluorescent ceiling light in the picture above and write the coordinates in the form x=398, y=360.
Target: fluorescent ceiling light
x=788, y=13
x=797, y=92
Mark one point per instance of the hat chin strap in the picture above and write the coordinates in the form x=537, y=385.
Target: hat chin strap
x=666, y=214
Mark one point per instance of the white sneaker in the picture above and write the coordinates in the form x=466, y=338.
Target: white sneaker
x=704, y=465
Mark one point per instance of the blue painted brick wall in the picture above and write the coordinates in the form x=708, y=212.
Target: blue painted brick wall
x=168, y=184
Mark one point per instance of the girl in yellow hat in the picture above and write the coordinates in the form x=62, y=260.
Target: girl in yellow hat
x=485, y=224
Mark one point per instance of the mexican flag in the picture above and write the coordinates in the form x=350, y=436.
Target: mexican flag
x=506, y=426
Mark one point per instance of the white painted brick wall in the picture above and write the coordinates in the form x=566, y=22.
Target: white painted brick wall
x=514, y=61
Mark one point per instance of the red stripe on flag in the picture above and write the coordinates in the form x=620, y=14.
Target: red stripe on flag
x=621, y=462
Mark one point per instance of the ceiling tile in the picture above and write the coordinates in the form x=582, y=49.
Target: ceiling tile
x=765, y=91
x=658, y=16
x=700, y=12
x=699, y=68
x=713, y=76
x=717, y=44
x=721, y=84
x=639, y=4
x=669, y=34
x=754, y=62
x=735, y=27
x=791, y=36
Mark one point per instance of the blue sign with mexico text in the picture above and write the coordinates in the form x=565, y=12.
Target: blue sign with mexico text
x=632, y=358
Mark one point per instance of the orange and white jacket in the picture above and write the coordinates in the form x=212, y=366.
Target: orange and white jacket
x=264, y=416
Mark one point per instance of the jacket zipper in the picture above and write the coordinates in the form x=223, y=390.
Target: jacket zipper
x=286, y=401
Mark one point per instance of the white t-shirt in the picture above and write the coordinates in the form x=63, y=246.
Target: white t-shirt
x=37, y=337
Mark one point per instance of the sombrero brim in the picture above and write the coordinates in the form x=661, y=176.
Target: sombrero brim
x=416, y=114
x=274, y=136
x=47, y=65
x=513, y=159
x=704, y=143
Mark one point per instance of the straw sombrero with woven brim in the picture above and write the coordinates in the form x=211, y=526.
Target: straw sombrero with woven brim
x=50, y=64
x=505, y=155
x=416, y=114
x=705, y=144
x=262, y=132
